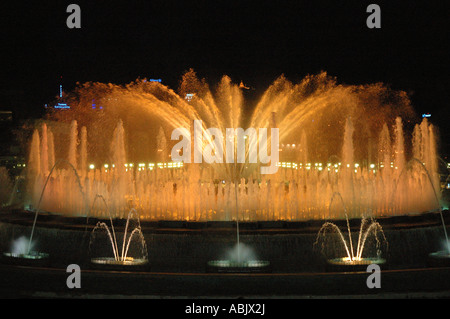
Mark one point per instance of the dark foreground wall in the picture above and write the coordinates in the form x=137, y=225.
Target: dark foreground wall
x=186, y=247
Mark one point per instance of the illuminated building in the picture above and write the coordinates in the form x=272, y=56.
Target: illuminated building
x=60, y=104
x=189, y=97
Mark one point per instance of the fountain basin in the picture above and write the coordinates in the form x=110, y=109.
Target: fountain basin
x=232, y=266
x=439, y=259
x=110, y=263
x=33, y=258
x=345, y=264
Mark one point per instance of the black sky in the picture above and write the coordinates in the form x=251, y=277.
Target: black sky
x=253, y=41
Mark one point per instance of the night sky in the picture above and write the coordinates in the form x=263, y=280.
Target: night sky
x=253, y=41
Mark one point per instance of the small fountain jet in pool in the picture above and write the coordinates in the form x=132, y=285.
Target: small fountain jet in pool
x=22, y=247
x=22, y=251
x=326, y=241
x=121, y=257
x=241, y=258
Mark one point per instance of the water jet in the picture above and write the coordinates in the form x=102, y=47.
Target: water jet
x=121, y=259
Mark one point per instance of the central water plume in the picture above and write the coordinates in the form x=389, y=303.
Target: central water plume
x=334, y=138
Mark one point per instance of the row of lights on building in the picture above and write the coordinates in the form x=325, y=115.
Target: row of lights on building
x=143, y=166
x=329, y=166
x=307, y=166
x=318, y=166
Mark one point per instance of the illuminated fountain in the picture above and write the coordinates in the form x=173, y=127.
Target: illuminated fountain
x=102, y=236
x=355, y=141
x=330, y=237
x=333, y=138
